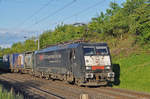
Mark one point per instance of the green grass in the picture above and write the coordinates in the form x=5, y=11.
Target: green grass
x=4, y=94
x=135, y=72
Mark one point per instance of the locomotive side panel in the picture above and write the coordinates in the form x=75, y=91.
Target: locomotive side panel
x=76, y=63
x=52, y=61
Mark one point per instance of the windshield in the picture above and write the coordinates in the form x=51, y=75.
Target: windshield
x=88, y=51
x=101, y=50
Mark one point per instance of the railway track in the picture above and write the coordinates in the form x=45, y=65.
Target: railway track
x=37, y=88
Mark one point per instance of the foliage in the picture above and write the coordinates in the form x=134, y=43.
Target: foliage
x=62, y=33
x=19, y=47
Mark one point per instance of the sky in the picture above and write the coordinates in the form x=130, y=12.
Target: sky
x=20, y=18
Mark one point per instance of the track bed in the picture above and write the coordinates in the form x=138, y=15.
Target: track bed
x=37, y=88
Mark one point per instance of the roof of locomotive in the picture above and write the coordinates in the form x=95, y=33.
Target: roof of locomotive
x=65, y=46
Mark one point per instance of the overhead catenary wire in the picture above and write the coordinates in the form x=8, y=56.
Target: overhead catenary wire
x=67, y=18
x=80, y=12
x=84, y=10
x=55, y=12
x=36, y=12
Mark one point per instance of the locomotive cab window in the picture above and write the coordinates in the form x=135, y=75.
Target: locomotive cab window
x=101, y=50
x=88, y=50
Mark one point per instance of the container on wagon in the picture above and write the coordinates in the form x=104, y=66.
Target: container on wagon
x=28, y=60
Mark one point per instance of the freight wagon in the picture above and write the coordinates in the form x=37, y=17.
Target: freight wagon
x=22, y=62
x=28, y=61
x=17, y=62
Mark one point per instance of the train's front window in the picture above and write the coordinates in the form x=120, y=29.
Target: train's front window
x=88, y=51
x=101, y=50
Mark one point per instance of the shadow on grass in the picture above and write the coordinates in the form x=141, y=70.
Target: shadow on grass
x=16, y=89
x=116, y=69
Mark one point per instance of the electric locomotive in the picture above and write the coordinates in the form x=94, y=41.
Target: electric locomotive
x=80, y=63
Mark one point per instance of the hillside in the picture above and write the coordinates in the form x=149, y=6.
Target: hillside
x=133, y=64
x=133, y=61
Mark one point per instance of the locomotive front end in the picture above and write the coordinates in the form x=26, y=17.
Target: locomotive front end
x=98, y=68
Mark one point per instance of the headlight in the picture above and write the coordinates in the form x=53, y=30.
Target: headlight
x=108, y=67
x=111, y=74
x=89, y=75
x=88, y=68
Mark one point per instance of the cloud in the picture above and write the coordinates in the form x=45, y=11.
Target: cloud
x=8, y=36
x=5, y=45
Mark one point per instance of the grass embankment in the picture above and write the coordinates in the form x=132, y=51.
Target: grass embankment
x=134, y=62
x=135, y=72
x=4, y=94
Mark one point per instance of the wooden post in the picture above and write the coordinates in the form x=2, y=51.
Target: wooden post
x=84, y=96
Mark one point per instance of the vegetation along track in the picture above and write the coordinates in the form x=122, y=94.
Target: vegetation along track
x=37, y=88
